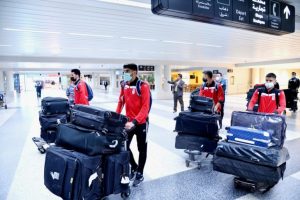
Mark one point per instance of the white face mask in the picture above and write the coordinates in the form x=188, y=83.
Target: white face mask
x=269, y=85
x=218, y=78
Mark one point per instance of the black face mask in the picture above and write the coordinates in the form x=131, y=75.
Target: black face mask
x=73, y=79
x=204, y=80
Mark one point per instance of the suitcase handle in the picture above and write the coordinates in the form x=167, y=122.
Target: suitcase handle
x=114, y=144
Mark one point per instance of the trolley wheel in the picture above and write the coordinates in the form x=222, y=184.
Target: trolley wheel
x=5, y=106
x=125, y=195
x=187, y=163
x=42, y=150
x=199, y=166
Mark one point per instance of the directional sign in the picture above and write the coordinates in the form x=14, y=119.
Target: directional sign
x=203, y=7
x=223, y=9
x=268, y=16
x=287, y=17
x=241, y=11
x=259, y=12
x=274, y=15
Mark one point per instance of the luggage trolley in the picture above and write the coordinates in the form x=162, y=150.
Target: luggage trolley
x=3, y=99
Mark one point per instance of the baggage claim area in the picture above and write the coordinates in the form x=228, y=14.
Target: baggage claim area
x=149, y=99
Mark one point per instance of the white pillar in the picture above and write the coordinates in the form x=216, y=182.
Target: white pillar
x=1, y=81
x=161, y=76
x=113, y=80
x=9, y=82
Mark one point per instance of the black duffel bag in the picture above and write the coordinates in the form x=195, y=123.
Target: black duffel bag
x=55, y=105
x=90, y=142
x=51, y=121
x=197, y=123
x=98, y=119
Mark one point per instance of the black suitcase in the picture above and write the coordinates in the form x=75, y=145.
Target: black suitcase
x=55, y=105
x=196, y=123
x=191, y=142
x=273, y=124
x=257, y=173
x=72, y=175
x=88, y=141
x=201, y=104
x=272, y=157
x=51, y=121
x=116, y=174
x=49, y=135
x=98, y=119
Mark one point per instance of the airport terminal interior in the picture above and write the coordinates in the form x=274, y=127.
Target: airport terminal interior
x=41, y=41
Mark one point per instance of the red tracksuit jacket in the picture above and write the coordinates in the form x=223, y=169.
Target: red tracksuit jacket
x=137, y=107
x=81, y=93
x=210, y=91
x=267, y=102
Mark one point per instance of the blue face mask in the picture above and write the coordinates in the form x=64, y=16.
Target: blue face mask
x=127, y=77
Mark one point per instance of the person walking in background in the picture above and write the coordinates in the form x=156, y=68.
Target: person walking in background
x=220, y=80
x=38, y=88
x=80, y=90
x=70, y=92
x=105, y=85
x=294, y=84
x=177, y=89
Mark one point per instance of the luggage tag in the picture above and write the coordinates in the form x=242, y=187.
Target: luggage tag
x=125, y=180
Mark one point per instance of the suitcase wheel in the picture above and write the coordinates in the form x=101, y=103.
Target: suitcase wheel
x=187, y=163
x=42, y=150
x=125, y=195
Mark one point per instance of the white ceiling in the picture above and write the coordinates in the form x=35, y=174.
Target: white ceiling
x=88, y=33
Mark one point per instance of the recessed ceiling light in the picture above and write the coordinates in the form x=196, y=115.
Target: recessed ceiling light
x=208, y=45
x=177, y=42
x=90, y=35
x=135, y=38
x=31, y=31
x=128, y=3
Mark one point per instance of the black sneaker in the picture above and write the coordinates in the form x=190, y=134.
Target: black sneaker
x=132, y=175
x=138, y=179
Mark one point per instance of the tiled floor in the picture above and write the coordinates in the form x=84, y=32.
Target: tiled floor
x=21, y=165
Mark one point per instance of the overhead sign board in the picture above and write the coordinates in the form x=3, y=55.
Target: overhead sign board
x=268, y=16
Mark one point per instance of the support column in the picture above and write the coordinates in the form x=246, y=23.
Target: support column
x=1, y=81
x=9, y=82
x=162, y=89
x=255, y=79
x=113, y=81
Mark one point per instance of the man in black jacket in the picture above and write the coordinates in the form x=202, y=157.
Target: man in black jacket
x=294, y=84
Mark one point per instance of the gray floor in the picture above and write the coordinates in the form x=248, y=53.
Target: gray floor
x=166, y=174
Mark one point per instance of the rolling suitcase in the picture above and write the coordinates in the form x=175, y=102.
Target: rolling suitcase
x=273, y=124
x=55, y=105
x=115, y=174
x=192, y=142
x=72, y=175
x=87, y=141
x=98, y=119
x=250, y=136
x=197, y=123
x=249, y=171
x=51, y=121
x=201, y=104
x=49, y=135
x=272, y=157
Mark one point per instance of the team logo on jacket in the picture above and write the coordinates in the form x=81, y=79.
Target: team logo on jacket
x=54, y=175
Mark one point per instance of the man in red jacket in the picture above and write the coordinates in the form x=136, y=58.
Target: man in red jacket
x=80, y=91
x=270, y=99
x=137, y=110
x=213, y=90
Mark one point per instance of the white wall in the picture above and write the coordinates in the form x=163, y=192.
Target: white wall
x=239, y=81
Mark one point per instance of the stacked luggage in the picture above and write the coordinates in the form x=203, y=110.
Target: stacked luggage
x=55, y=110
x=197, y=128
x=253, y=150
x=90, y=160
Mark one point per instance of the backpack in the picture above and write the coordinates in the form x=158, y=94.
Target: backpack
x=261, y=90
x=138, y=90
x=90, y=92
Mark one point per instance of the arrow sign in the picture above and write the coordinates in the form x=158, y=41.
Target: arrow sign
x=287, y=12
